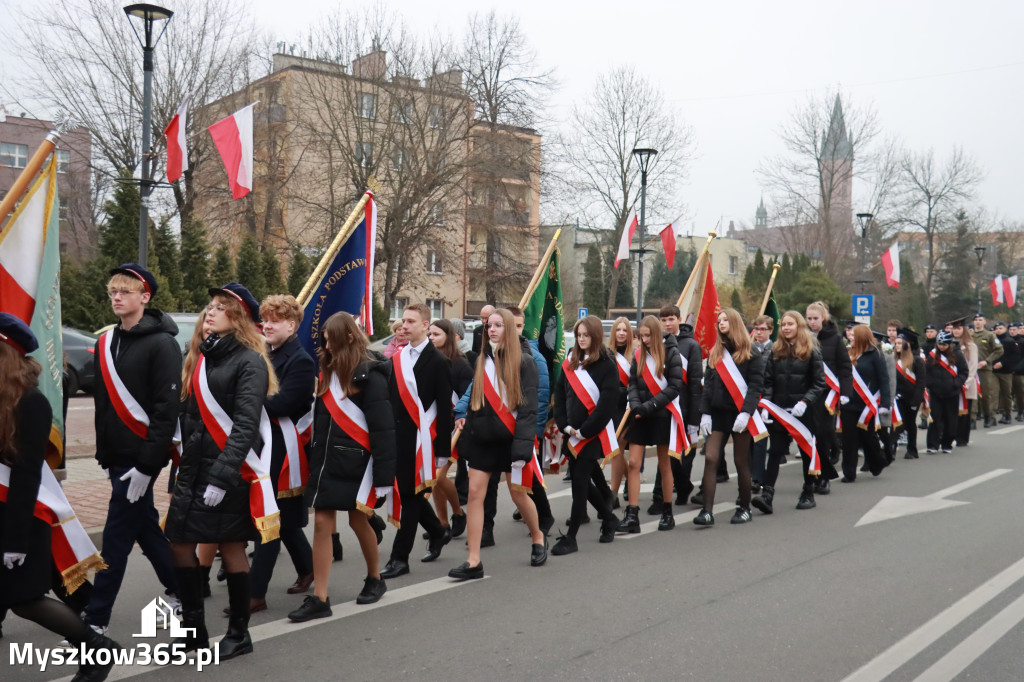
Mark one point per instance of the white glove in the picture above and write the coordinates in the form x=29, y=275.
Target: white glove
x=12, y=559
x=883, y=411
x=138, y=482
x=213, y=495
x=705, y=424
x=518, y=464
x=691, y=432
x=799, y=409
x=740, y=425
x=383, y=493
x=440, y=461
x=843, y=400
x=766, y=416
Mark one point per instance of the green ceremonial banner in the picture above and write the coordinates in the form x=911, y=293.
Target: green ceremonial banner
x=772, y=311
x=544, y=321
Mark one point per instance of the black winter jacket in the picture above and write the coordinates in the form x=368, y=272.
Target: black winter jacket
x=296, y=378
x=487, y=429
x=939, y=381
x=908, y=393
x=787, y=381
x=689, y=398
x=873, y=371
x=836, y=356
x=337, y=462
x=1011, y=354
x=238, y=379
x=641, y=402
x=148, y=360
x=462, y=375
x=570, y=410
x=716, y=395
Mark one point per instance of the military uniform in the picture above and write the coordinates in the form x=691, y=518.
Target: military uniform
x=989, y=351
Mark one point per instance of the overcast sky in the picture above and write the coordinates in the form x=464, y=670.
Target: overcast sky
x=939, y=73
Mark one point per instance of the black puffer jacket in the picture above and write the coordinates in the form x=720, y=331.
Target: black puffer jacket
x=787, y=381
x=148, y=360
x=690, y=350
x=939, y=381
x=485, y=428
x=836, y=356
x=462, y=375
x=911, y=394
x=337, y=462
x=570, y=410
x=1011, y=354
x=641, y=402
x=238, y=379
x=873, y=371
x=716, y=395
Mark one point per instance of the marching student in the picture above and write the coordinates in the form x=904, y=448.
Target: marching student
x=655, y=382
x=586, y=396
x=761, y=343
x=910, y=380
x=732, y=389
x=794, y=380
x=442, y=335
x=290, y=412
x=139, y=366
x=499, y=435
x=351, y=457
x=869, y=401
x=420, y=394
x=620, y=344
x=970, y=352
x=839, y=379
x=226, y=378
x=945, y=374
x=25, y=540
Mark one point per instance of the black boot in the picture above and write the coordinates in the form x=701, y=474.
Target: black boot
x=763, y=502
x=205, y=573
x=631, y=522
x=190, y=592
x=608, y=528
x=336, y=546
x=667, y=522
x=96, y=672
x=237, y=642
x=806, y=500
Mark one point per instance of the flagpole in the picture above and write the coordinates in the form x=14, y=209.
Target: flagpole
x=541, y=267
x=697, y=266
x=768, y=291
x=13, y=195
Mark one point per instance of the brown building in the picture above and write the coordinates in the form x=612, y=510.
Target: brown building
x=20, y=136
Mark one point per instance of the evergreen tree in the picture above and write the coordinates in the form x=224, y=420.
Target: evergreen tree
x=249, y=267
x=594, y=296
x=272, y=273
x=83, y=299
x=735, y=301
x=624, y=295
x=755, y=277
x=664, y=285
x=954, y=294
x=299, y=272
x=381, y=321
x=166, y=256
x=119, y=235
x=814, y=284
x=223, y=270
x=194, y=260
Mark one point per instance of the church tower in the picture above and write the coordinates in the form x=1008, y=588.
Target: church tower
x=836, y=163
x=761, y=216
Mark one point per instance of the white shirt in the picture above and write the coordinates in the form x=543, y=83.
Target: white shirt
x=416, y=351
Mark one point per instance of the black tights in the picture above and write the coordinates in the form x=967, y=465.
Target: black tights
x=55, y=616
x=583, y=490
x=741, y=457
x=232, y=556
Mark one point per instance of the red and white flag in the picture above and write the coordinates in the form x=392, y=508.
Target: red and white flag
x=21, y=247
x=670, y=239
x=627, y=237
x=177, y=150
x=233, y=138
x=891, y=263
x=997, y=290
x=1010, y=291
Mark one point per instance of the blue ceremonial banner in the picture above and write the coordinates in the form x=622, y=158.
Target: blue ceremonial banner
x=347, y=283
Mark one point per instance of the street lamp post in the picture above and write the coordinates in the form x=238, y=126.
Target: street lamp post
x=980, y=253
x=149, y=14
x=644, y=157
x=865, y=220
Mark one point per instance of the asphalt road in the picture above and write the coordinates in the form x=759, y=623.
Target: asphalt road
x=799, y=595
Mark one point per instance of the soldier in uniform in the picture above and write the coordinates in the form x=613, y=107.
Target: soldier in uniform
x=989, y=352
x=1002, y=369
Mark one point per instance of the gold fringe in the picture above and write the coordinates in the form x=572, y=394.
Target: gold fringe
x=761, y=437
x=74, y=576
x=291, y=492
x=163, y=522
x=394, y=522
x=424, y=486
x=269, y=527
x=363, y=508
x=520, y=488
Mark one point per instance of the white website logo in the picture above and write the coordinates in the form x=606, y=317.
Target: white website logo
x=160, y=610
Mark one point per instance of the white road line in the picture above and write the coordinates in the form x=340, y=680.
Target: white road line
x=890, y=660
x=969, y=483
x=969, y=650
x=1003, y=432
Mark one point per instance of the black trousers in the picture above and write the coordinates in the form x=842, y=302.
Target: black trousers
x=909, y=424
x=584, y=490
x=778, y=447
x=963, y=424
x=416, y=510
x=265, y=558
x=540, y=500
x=856, y=438
x=944, y=423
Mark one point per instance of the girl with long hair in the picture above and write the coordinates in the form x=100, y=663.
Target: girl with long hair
x=442, y=335
x=351, y=457
x=945, y=372
x=226, y=377
x=838, y=371
x=794, y=379
x=721, y=416
x=620, y=344
x=970, y=351
x=499, y=434
x=859, y=419
x=655, y=381
x=910, y=380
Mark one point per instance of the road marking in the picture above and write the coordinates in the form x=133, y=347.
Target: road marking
x=893, y=658
x=73, y=409
x=1008, y=429
x=896, y=506
x=969, y=650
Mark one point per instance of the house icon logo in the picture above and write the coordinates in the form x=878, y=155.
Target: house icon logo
x=160, y=610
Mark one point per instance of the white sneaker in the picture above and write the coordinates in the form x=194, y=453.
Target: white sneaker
x=175, y=605
x=98, y=629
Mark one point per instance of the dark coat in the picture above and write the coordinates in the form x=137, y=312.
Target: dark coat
x=20, y=531
x=337, y=462
x=486, y=430
x=836, y=356
x=690, y=396
x=787, y=381
x=148, y=360
x=570, y=410
x=434, y=384
x=1011, y=354
x=716, y=396
x=623, y=389
x=912, y=394
x=238, y=379
x=462, y=375
x=873, y=371
x=641, y=402
x=939, y=381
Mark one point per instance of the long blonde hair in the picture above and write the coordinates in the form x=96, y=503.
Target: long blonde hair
x=804, y=343
x=629, y=335
x=737, y=341
x=657, y=348
x=244, y=330
x=507, y=359
x=348, y=348
x=18, y=373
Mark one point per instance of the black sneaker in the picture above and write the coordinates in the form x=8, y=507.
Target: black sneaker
x=806, y=501
x=312, y=607
x=698, y=498
x=373, y=590
x=823, y=487
x=704, y=518
x=608, y=528
x=741, y=516
x=565, y=545
x=655, y=508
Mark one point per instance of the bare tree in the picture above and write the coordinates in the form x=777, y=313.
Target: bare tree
x=623, y=112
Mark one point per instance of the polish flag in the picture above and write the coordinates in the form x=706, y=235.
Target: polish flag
x=233, y=138
x=627, y=237
x=177, y=151
x=891, y=263
x=997, y=290
x=22, y=245
x=669, y=236
x=1010, y=291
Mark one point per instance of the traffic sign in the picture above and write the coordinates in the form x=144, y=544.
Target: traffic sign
x=581, y=313
x=863, y=305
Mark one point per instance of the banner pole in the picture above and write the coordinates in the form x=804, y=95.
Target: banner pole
x=697, y=266
x=17, y=190
x=768, y=291
x=541, y=267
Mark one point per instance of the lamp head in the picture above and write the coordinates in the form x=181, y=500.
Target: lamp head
x=644, y=156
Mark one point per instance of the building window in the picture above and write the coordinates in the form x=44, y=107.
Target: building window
x=437, y=215
x=364, y=154
x=404, y=112
x=366, y=105
x=433, y=262
x=734, y=264
x=13, y=155
x=398, y=307
x=436, y=116
x=398, y=159
x=63, y=161
x=62, y=211
x=436, y=306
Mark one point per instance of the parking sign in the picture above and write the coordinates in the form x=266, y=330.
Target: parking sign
x=863, y=305
x=581, y=313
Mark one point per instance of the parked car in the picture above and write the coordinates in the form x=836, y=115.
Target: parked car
x=80, y=348
x=186, y=324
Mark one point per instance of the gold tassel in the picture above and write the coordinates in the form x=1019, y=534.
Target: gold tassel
x=269, y=527
x=74, y=576
x=291, y=492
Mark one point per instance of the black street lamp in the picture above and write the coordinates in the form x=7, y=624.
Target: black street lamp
x=979, y=251
x=865, y=220
x=643, y=156
x=149, y=14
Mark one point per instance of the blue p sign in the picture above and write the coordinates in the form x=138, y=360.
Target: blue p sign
x=863, y=305
x=581, y=313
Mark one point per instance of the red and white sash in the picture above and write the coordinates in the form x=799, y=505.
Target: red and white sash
x=74, y=554
x=799, y=431
x=962, y=397
x=295, y=470
x=977, y=382
x=678, y=442
x=425, y=420
x=587, y=392
x=737, y=387
x=897, y=416
x=494, y=393
x=622, y=362
x=366, y=498
x=907, y=373
x=871, y=402
x=832, y=400
x=552, y=456
x=522, y=479
x=256, y=467
x=126, y=407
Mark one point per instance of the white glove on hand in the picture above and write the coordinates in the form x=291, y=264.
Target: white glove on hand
x=12, y=559
x=138, y=482
x=740, y=425
x=440, y=461
x=799, y=409
x=518, y=464
x=691, y=432
x=383, y=493
x=843, y=400
x=766, y=416
x=213, y=495
x=883, y=411
x=705, y=425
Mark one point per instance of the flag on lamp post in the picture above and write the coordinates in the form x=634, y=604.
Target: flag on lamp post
x=627, y=237
x=233, y=138
x=177, y=149
x=996, y=286
x=891, y=263
x=1010, y=291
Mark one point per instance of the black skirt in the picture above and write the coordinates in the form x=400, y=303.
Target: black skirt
x=335, y=478
x=722, y=420
x=492, y=456
x=652, y=430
